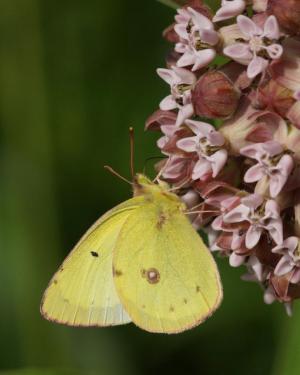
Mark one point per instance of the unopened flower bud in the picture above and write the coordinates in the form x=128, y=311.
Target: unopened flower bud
x=215, y=96
x=287, y=13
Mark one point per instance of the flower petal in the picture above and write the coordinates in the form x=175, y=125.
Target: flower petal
x=200, y=128
x=283, y=266
x=237, y=240
x=167, y=75
x=254, y=174
x=236, y=260
x=187, y=59
x=253, y=236
x=257, y=267
x=229, y=9
x=256, y=66
x=295, y=279
x=181, y=47
x=238, y=51
x=272, y=209
x=271, y=28
x=185, y=75
x=272, y=148
x=218, y=160
x=203, y=58
x=180, y=29
x=168, y=103
x=291, y=243
x=269, y=296
x=188, y=144
x=254, y=151
x=216, y=138
x=280, y=175
x=184, y=113
x=248, y=27
x=253, y=201
x=238, y=214
x=276, y=231
x=201, y=169
x=209, y=36
x=200, y=20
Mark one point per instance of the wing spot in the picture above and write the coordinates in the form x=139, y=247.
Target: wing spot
x=55, y=281
x=185, y=301
x=143, y=306
x=117, y=273
x=143, y=272
x=172, y=309
x=152, y=275
x=94, y=254
x=66, y=300
x=198, y=289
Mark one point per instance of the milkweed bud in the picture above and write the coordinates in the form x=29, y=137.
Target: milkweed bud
x=287, y=13
x=215, y=96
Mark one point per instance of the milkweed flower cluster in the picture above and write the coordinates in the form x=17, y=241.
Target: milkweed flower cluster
x=230, y=133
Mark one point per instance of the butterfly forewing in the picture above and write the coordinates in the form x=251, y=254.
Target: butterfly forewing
x=82, y=292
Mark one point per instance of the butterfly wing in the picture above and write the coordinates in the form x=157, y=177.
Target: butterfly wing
x=165, y=276
x=82, y=292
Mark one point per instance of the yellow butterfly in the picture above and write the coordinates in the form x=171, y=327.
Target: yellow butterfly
x=141, y=262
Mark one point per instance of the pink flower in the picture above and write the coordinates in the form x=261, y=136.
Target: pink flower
x=250, y=125
x=290, y=260
x=272, y=162
x=229, y=9
x=177, y=169
x=259, y=47
x=197, y=39
x=181, y=82
x=207, y=144
x=238, y=232
x=260, y=215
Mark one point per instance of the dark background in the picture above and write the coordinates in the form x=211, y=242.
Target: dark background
x=74, y=75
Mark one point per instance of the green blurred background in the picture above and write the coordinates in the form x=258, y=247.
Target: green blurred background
x=73, y=76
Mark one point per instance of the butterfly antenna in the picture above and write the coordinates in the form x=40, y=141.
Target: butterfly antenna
x=112, y=171
x=157, y=178
x=131, y=135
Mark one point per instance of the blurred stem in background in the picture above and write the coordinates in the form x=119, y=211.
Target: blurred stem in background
x=29, y=209
x=287, y=357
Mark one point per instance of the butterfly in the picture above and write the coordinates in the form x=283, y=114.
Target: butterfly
x=143, y=262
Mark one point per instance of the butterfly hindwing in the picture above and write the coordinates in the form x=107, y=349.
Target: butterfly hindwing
x=165, y=276
x=82, y=292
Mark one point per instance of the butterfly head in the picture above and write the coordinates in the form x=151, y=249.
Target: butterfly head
x=156, y=191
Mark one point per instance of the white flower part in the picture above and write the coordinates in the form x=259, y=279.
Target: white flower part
x=269, y=295
x=290, y=260
x=229, y=9
x=197, y=39
x=181, y=82
x=259, y=46
x=207, y=144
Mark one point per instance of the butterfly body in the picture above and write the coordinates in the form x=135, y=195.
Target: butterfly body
x=142, y=262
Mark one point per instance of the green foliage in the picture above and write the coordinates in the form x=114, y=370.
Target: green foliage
x=46, y=371
x=169, y=3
